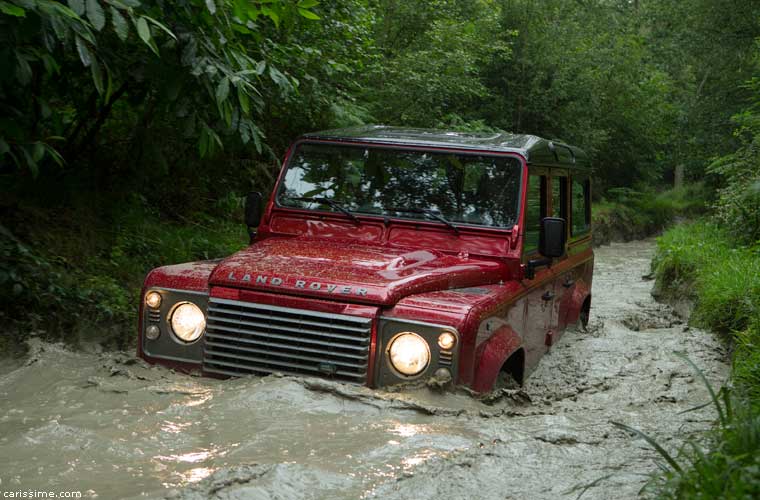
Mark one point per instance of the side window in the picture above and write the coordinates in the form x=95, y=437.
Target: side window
x=559, y=197
x=535, y=210
x=581, y=207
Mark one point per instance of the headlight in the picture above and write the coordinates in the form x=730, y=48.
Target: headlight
x=188, y=322
x=409, y=353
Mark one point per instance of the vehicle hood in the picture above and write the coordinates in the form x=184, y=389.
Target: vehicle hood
x=349, y=271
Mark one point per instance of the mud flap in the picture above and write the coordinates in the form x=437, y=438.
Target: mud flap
x=491, y=356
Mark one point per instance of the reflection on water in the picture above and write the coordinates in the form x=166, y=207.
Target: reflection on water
x=106, y=425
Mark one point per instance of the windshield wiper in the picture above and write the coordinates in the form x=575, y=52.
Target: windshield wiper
x=432, y=213
x=328, y=201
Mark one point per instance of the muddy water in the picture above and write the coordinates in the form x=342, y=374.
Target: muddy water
x=109, y=426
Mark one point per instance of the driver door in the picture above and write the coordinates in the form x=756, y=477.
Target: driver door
x=539, y=308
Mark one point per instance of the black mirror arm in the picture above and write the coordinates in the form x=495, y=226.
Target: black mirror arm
x=251, y=234
x=530, y=268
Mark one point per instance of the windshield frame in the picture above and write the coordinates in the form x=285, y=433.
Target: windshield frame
x=522, y=162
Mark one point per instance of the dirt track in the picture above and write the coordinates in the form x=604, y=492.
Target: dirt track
x=107, y=425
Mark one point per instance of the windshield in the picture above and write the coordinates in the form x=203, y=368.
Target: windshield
x=469, y=189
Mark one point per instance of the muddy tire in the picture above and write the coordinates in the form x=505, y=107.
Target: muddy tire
x=584, y=315
x=505, y=380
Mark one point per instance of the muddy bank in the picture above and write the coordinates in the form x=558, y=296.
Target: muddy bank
x=110, y=426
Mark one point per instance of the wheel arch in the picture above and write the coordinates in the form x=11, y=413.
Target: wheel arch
x=494, y=353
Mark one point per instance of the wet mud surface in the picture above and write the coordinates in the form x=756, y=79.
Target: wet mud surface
x=112, y=427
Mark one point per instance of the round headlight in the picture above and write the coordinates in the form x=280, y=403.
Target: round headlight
x=409, y=353
x=153, y=299
x=188, y=322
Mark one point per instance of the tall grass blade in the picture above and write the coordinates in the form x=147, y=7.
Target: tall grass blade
x=664, y=454
x=714, y=397
x=695, y=408
x=726, y=393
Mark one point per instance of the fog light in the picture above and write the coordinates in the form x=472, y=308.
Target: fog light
x=152, y=332
x=153, y=299
x=447, y=341
x=409, y=354
x=188, y=322
x=443, y=375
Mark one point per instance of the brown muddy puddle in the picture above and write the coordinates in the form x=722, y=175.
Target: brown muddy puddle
x=112, y=427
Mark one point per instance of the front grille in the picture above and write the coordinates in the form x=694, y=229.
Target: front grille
x=245, y=337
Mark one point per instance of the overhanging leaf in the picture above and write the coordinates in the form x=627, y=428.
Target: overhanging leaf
x=120, y=25
x=160, y=26
x=77, y=6
x=143, y=30
x=271, y=14
x=12, y=10
x=223, y=90
x=84, y=52
x=308, y=14
x=245, y=103
x=95, y=14
x=97, y=75
x=211, y=6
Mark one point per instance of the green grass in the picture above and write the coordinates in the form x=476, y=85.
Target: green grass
x=698, y=260
x=701, y=261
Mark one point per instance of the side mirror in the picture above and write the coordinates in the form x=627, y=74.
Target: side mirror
x=551, y=244
x=551, y=240
x=253, y=211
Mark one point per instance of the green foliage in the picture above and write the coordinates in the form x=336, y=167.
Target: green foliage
x=746, y=368
x=209, y=72
x=738, y=206
x=432, y=59
x=700, y=261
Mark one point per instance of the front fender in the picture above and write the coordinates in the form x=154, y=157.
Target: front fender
x=491, y=356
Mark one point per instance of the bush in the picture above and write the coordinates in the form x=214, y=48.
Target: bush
x=62, y=286
x=738, y=205
x=628, y=214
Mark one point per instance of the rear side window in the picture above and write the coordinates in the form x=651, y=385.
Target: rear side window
x=581, y=207
x=559, y=197
x=535, y=210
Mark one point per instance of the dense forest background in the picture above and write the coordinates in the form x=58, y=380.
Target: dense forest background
x=130, y=130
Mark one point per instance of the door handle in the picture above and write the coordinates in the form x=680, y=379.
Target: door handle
x=547, y=296
x=568, y=283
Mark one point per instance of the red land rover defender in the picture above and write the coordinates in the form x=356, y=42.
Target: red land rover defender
x=387, y=255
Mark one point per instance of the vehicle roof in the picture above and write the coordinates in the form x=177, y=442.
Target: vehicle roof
x=534, y=149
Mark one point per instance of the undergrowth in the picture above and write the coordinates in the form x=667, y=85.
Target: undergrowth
x=629, y=214
x=78, y=278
